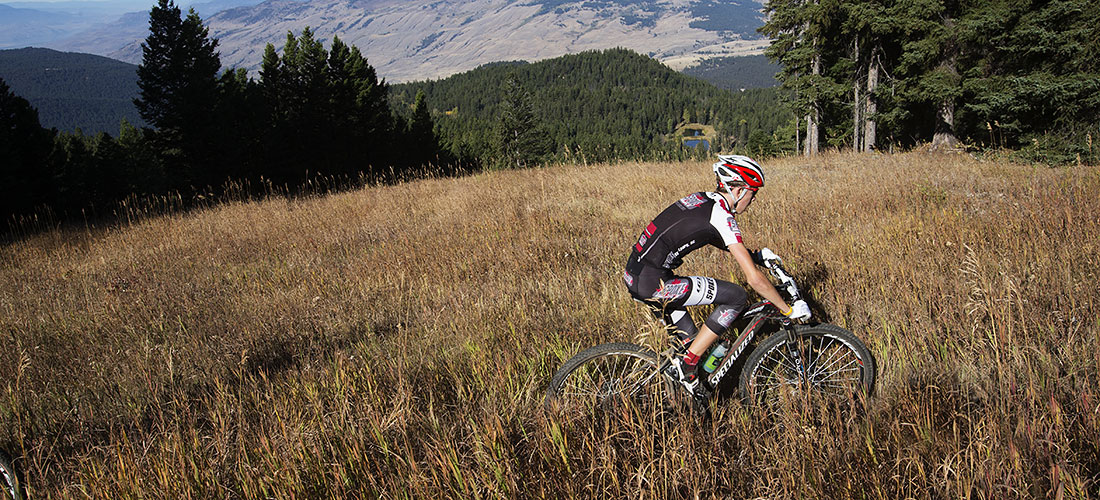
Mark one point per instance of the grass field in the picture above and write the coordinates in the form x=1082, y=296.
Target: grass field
x=395, y=341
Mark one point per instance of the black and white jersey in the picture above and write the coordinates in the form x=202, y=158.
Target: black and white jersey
x=696, y=220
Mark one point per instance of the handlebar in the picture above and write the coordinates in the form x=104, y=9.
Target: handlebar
x=775, y=268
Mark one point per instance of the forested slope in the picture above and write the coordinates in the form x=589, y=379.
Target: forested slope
x=599, y=104
x=73, y=91
x=736, y=73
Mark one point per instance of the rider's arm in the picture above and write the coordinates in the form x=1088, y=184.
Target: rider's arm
x=755, y=278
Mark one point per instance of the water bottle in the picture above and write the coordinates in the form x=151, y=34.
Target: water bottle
x=716, y=356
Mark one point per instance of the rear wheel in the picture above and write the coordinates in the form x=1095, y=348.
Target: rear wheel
x=820, y=364
x=607, y=376
x=10, y=486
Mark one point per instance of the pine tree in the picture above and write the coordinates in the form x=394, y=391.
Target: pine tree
x=24, y=148
x=421, y=138
x=866, y=24
x=1036, y=77
x=799, y=29
x=929, y=83
x=329, y=113
x=178, y=89
x=519, y=141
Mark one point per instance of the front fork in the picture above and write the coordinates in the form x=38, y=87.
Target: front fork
x=794, y=352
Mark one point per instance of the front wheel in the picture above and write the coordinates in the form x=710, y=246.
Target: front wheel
x=10, y=486
x=608, y=375
x=817, y=363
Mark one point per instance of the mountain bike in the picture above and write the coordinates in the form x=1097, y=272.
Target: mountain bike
x=10, y=486
x=799, y=364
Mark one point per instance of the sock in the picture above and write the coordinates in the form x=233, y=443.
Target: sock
x=691, y=359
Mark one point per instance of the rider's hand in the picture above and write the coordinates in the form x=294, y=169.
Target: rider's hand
x=800, y=311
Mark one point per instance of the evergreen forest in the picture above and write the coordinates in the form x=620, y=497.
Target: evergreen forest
x=71, y=90
x=961, y=74
x=594, y=106
x=736, y=73
x=982, y=76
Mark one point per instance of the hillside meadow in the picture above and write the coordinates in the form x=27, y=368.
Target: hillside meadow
x=395, y=341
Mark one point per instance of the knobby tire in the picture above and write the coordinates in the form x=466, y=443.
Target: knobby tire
x=11, y=488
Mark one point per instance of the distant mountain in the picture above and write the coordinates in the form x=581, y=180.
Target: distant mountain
x=49, y=22
x=419, y=39
x=21, y=27
x=94, y=93
x=71, y=91
x=120, y=39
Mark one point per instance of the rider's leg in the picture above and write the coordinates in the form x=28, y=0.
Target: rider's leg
x=681, y=324
x=664, y=294
x=702, y=341
x=668, y=298
x=677, y=293
x=677, y=321
x=731, y=300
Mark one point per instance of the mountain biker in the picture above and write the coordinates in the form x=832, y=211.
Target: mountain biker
x=696, y=220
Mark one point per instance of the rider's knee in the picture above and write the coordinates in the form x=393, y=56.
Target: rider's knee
x=722, y=317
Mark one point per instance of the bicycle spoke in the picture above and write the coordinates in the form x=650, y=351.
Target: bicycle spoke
x=773, y=372
x=842, y=369
x=827, y=367
x=817, y=359
x=620, y=375
x=839, y=358
x=783, y=359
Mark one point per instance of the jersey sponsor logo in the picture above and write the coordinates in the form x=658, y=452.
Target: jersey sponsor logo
x=733, y=227
x=692, y=201
x=646, y=235
x=628, y=278
x=674, y=255
x=672, y=290
x=712, y=290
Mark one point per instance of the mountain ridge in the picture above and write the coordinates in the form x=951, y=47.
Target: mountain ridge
x=428, y=39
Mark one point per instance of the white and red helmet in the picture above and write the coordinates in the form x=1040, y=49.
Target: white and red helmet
x=737, y=170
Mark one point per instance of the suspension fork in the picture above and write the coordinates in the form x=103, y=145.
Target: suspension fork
x=794, y=352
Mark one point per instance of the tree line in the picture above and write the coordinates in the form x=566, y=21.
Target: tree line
x=596, y=106
x=313, y=112
x=868, y=74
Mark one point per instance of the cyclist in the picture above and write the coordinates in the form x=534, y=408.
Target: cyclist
x=696, y=220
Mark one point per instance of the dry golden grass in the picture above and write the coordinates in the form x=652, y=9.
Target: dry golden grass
x=395, y=341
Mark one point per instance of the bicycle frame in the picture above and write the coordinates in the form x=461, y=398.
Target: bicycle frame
x=759, y=313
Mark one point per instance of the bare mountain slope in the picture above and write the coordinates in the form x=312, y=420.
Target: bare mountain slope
x=420, y=39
